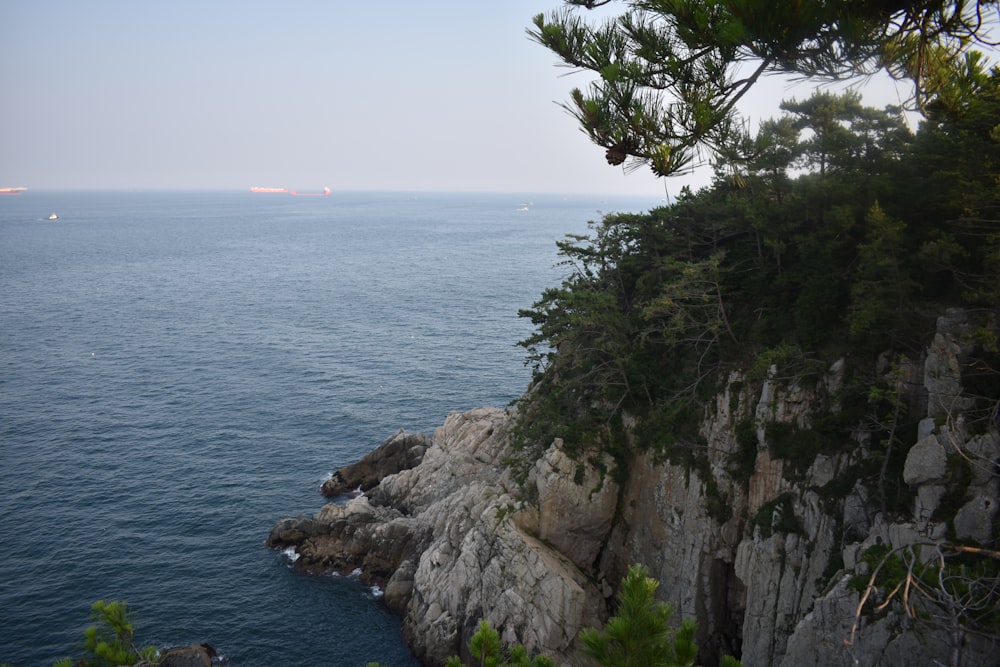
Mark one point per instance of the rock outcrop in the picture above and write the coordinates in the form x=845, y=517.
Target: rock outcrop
x=454, y=546
x=197, y=655
x=769, y=557
x=401, y=451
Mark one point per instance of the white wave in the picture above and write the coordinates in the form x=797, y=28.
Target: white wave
x=291, y=554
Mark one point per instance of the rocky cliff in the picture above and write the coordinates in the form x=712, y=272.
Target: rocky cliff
x=766, y=542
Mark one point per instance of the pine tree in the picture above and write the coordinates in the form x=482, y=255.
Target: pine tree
x=639, y=634
x=669, y=75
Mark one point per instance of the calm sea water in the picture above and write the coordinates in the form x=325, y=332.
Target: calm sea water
x=178, y=371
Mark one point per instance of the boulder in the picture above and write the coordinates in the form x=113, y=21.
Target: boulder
x=188, y=656
x=974, y=521
x=400, y=587
x=926, y=462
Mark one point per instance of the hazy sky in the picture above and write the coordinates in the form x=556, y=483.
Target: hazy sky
x=390, y=95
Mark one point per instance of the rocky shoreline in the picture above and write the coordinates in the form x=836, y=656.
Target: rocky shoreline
x=447, y=538
x=456, y=538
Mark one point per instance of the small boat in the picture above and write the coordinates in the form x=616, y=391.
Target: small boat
x=53, y=217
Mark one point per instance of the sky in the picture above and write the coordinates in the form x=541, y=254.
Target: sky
x=440, y=95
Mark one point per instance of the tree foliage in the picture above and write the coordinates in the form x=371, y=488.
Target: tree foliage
x=639, y=634
x=110, y=641
x=671, y=72
x=848, y=233
x=487, y=650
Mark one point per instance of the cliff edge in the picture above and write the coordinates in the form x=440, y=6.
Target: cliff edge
x=770, y=547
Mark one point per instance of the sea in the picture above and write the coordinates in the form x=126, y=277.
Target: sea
x=181, y=370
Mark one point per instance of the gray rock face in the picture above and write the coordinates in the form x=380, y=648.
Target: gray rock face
x=576, y=505
x=456, y=546
x=926, y=462
x=943, y=368
x=833, y=634
x=762, y=562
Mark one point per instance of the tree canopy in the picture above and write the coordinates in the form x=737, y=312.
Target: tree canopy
x=671, y=72
x=848, y=235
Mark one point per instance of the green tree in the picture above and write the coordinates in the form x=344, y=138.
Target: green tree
x=845, y=135
x=775, y=148
x=110, y=641
x=487, y=651
x=639, y=634
x=670, y=72
x=881, y=293
x=657, y=304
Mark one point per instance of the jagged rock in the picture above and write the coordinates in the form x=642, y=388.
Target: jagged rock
x=926, y=462
x=343, y=538
x=400, y=451
x=292, y=531
x=447, y=536
x=780, y=574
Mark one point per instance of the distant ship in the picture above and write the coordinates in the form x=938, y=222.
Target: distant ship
x=53, y=217
x=286, y=191
x=325, y=193
x=12, y=191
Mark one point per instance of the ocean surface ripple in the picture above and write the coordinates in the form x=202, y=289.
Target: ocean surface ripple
x=178, y=371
